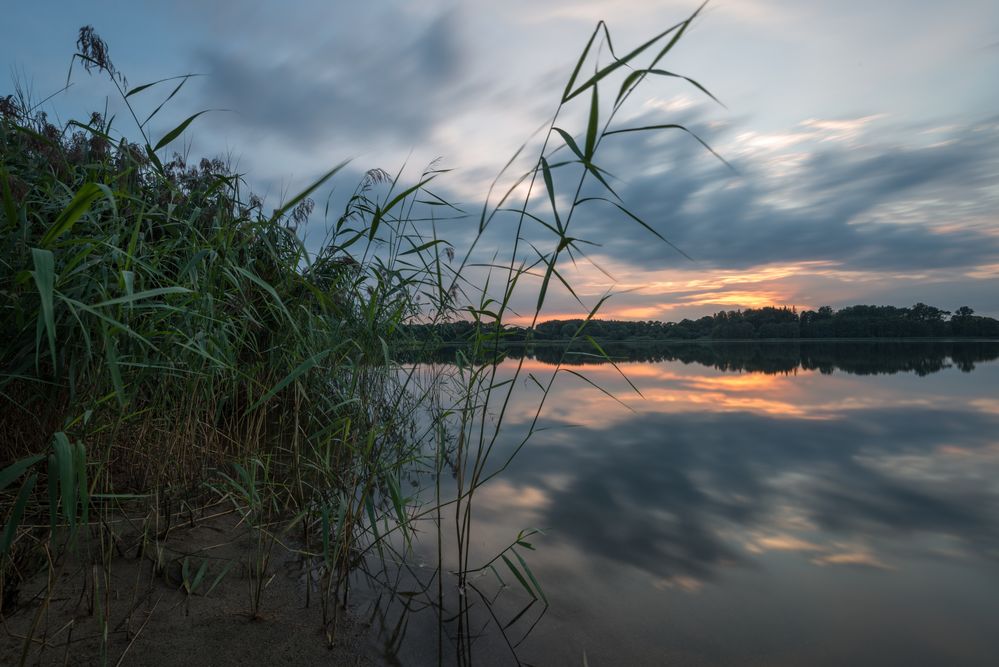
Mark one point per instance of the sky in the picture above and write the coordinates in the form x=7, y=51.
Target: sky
x=863, y=136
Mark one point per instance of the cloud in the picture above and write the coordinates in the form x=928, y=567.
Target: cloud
x=854, y=199
x=832, y=211
x=351, y=88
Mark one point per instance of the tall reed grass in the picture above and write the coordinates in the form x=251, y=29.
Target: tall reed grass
x=168, y=343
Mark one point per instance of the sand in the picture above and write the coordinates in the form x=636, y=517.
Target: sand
x=154, y=622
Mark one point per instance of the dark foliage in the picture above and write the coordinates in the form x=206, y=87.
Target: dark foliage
x=919, y=321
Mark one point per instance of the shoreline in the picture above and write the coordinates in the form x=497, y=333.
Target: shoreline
x=702, y=341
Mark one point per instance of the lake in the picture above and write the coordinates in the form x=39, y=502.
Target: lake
x=781, y=504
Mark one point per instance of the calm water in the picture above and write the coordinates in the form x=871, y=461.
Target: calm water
x=822, y=504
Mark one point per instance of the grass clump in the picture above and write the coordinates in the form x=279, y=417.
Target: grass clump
x=163, y=325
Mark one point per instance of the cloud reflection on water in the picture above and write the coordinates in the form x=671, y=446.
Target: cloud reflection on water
x=701, y=477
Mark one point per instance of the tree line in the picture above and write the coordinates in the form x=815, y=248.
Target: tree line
x=855, y=357
x=917, y=321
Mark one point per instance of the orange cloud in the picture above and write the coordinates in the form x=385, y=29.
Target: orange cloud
x=852, y=558
x=781, y=542
x=758, y=299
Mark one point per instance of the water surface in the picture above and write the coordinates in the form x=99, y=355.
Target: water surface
x=820, y=504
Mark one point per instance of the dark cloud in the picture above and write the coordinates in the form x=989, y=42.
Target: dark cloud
x=353, y=88
x=833, y=205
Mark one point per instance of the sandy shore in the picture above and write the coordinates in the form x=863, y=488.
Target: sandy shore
x=151, y=619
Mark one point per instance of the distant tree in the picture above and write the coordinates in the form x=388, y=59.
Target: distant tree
x=858, y=321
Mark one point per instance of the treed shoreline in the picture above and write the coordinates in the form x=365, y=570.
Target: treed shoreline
x=771, y=323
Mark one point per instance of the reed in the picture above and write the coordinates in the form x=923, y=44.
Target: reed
x=170, y=346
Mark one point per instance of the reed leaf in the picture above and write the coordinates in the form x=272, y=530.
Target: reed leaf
x=17, y=513
x=77, y=207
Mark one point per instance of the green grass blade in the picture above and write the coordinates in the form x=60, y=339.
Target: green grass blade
x=676, y=37
x=199, y=575
x=67, y=470
x=294, y=201
x=169, y=97
x=267, y=287
x=219, y=577
x=176, y=132
x=620, y=62
x=639, y=221
x=299, y=370
x=550, y=187
x=17, y=512
x=592, y=125
x=16, y=469
x=570, y=142
x=139, y=296
x=519, y=576
x=634, y=77
x=672, y=126
x=579, y=63
x=530, y=575
x=543, y=292
x=79, y=205
x=44, y=275
x=380, y=212
x=138, y=89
